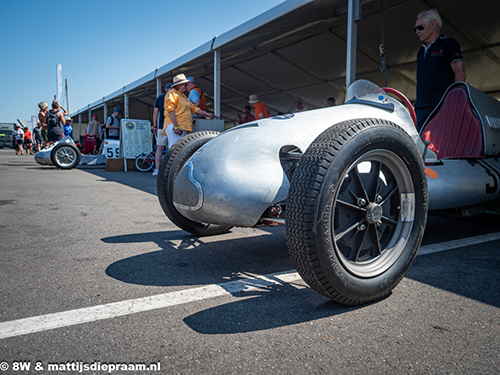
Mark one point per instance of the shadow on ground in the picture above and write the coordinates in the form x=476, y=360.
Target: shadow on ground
x=143, y=181
x=471, y=272
x=188, y=260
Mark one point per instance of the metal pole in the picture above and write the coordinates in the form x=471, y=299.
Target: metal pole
x=217, y=82
x=125, y=104
x=353, y=14
x=158, y=87
x=122, y=152
x=382, y=50
x=67, y=97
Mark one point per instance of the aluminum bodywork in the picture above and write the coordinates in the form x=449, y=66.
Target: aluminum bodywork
x=111, y=147
x=459, y=183
x=235, y=177
x=43, y=156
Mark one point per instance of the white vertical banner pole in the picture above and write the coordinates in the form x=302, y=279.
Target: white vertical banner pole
x=59, y=83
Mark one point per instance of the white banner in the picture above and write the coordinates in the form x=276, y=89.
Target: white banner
x=59, y=82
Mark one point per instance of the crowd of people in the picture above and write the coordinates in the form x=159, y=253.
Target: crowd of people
x=53, y=125
x=22, y=140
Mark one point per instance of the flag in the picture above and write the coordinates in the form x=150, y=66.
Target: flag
x=59, y=82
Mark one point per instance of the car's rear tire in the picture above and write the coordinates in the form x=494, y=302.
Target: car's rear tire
x=65, y=156
x=170, y=167
x=356, y=210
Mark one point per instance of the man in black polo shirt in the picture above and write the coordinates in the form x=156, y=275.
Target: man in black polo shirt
x=439, y=63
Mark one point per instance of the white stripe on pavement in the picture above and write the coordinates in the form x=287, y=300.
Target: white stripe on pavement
x=115, y=309
x=111, y=310
x=456, y=244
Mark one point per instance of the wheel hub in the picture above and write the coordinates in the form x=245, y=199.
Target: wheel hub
x=374, y=213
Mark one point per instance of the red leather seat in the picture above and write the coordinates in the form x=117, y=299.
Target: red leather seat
x=454, y=131
x=89, y=144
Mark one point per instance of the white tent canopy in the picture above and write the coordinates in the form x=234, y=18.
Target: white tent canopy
x=298, y=49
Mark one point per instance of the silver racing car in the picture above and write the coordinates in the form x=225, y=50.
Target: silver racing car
x=351, y=183
x=62, y=154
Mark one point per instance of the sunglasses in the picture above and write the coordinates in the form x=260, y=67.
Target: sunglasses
x=419, y=27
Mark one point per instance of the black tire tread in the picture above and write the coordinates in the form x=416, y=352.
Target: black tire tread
x=301, y=206
x=54, y=160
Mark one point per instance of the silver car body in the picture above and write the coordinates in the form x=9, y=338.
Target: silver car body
x=111, y=148
x=236, y=176
x=43, y=156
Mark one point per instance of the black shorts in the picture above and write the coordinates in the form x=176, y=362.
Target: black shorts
x=55, y=134
x=18, y=142
x=27, y=141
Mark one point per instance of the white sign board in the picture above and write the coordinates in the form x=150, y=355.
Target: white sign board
x=135, y=138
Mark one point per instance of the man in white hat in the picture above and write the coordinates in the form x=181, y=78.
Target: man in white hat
x=260, y=109
x=299, y=105
x=178, y=110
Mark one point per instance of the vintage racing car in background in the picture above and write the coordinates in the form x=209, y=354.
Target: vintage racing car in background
x=352, y=183
x=64, y=154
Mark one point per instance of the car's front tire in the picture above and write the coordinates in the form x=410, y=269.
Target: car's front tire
x=170, y=167
x=357, y=209
x=65, y=156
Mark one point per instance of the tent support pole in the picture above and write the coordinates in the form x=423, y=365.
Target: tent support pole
x=125, y=104
x=217, y=82
x=353, y=15
x=158, y=87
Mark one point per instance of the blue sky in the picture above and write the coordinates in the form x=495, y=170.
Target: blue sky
x=101, y=44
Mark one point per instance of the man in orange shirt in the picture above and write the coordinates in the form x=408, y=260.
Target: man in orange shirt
x=260, y=109
x=196, y=95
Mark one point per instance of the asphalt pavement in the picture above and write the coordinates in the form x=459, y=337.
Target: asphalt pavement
x=95, y=279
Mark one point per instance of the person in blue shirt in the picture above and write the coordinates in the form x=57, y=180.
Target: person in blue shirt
x=68, y=128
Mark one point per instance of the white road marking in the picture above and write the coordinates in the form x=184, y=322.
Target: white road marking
x=111, y=310
x=456, y=244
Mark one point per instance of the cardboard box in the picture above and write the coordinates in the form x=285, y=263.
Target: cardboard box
x=118, y=165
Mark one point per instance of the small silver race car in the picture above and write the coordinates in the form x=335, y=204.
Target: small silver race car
x=62, y=154
x=351, y=183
